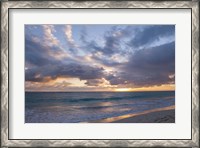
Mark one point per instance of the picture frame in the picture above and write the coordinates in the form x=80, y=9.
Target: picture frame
x=7, y=6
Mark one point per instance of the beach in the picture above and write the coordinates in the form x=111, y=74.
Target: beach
x=167, y=116
x=159, y=115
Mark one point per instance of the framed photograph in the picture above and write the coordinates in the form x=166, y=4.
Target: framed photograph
x=100, y=73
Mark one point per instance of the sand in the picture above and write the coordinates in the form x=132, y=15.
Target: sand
x=167, y=116
x=159, y=115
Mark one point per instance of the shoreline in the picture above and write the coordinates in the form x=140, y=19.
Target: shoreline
x=159, y=115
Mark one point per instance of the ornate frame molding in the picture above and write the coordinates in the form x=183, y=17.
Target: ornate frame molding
x=193, y=5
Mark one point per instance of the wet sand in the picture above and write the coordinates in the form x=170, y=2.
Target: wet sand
x=167, y=116
x=159, y=115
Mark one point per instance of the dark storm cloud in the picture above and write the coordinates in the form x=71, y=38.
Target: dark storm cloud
x=150, y=34
x=149, y=67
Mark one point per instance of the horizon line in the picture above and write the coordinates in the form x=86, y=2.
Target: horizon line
x=98, y=91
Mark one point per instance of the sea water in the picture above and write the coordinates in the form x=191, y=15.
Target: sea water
x=74, y=107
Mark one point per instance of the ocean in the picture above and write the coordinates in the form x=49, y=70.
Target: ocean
x=75, y=107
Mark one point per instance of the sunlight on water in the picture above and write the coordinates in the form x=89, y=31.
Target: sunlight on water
x=136, y=114
x=92, y=106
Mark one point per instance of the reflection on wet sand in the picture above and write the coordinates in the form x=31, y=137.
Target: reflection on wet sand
x=118, y=118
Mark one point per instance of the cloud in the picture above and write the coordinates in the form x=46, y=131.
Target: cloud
x=112, y=42
x=107, y=51
x=49, y=38
x=100, y=82
x=149, y=67
x=106, y=60
x=110, y=63
x=151, y=34
x=38, y=54
x=47, y=86
x=35, y=53
x=73, y=47
x=44, y=64
x=146, y=67
x=83, y=35
x=112, y=45
x=118, y=80
x=52, y=71
x=94, y=82
x=68, y=33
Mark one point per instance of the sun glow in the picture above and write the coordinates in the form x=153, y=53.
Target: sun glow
x=122, y=89
x=167, y=87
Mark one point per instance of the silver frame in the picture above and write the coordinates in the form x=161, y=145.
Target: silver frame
x=193, y=5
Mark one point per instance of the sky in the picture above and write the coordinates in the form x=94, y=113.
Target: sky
x=99, y=57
